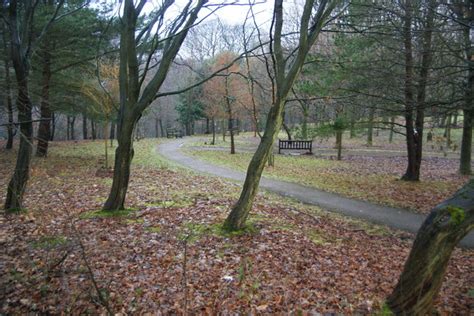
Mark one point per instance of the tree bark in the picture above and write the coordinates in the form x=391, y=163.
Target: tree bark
x=414, y=126
x=390, y=136
x=19, y=179
x=339, y=144
x=370, y=127
x=466, y=143
x=426, y=265
x=44, y=130
x=53, y=126
x=213, y=132
x=93, y=130
x=123, y=158
x=8, y=94
x=468, y=110
x=84, y=126
x=284, y=79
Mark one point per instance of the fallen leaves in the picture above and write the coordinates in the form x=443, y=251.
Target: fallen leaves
x=297, y=258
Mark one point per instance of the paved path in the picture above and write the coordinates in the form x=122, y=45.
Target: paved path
x=396, y=218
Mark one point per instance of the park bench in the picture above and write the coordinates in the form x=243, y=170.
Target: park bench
x=173, y=133
x=295, y=145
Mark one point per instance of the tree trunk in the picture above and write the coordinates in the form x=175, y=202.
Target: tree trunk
x=370, y=127
x=466, y=142
x=53, y=126
x=304, y=124
x=447, y=131
x=414, y=128
x=72, y=121
x=213, y=131
x=223, y=130
x=44, y=130
x=17, y=184
x=112, y=133
x=156, y=128
x=231, y=131
x=208, y=130
x=93, y=130
x=339, y=144
x=352, y=127
x=426, y=265
x=390, y=136
x=8, y=96
x=84, y=126
x=123, y=158
x=238, y=215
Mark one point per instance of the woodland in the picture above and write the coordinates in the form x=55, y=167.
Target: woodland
x=142, y=168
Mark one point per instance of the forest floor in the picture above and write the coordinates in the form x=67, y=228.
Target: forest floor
x=167, y=252
x=365, y=173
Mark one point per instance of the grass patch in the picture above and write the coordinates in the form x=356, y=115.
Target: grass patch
x=49, y=242
x=153, y=229
x=107, y=214
x=131, y=221
x=171, y=203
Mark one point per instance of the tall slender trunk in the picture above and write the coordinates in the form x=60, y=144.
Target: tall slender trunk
x=84, y=126
x=93, y=130
x=339, y=144
x=435, y=241
x=53, y=126
x=352, y=127
x=304, y=124
x=414, y=127
x=390, y=136
x=370, y=127
x=44, y=130
x=231, y=132
x=157, y=128
x=112, y=133
x=468, y=109
x=447, y=131
x=213, y=131
x=466, y=143
x=8, y=95
x=223, y=130
x=72, y=129
x=208, y=130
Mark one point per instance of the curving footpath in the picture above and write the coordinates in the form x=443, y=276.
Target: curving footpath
x=392, y=217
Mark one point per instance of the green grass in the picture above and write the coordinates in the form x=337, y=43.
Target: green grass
x=49, y=242
x=107, y=214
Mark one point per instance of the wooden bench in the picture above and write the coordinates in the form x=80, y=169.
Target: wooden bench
x=295, y=145
x=173, y=133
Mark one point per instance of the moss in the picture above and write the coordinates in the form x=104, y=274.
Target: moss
x=107, y=214
x=171, y=203
x=457, y=214
x=316, y=237
x=153, y=229
x=385, y=311
x=134, y=221
x=49, y=242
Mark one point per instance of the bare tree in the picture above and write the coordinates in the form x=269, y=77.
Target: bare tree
x=283, y=70
x=135, y=63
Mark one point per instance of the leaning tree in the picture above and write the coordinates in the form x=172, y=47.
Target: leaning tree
x=426, y=265
x=283, y=71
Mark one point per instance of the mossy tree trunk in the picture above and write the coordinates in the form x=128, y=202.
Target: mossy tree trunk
x=426, y=265
x=284, y=78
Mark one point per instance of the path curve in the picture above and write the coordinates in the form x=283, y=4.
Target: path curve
x=392, y=217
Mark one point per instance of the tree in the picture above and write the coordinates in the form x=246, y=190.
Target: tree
x=20, y=19
x=225, y=91
x=285, y=72
x=426, y=265
x=68, y=45
x=8, y=88
x=135, y=96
